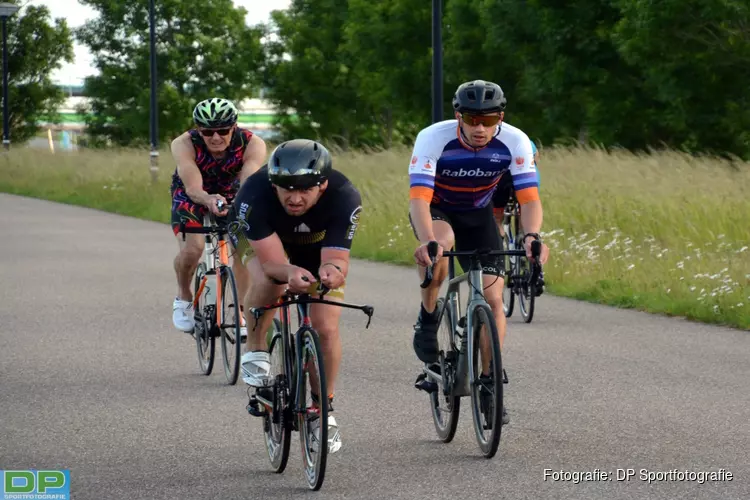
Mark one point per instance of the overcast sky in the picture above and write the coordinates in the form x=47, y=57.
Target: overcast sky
x=77, y=14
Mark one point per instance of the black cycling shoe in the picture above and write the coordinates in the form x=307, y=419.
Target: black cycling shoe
x=486, y=403
x=425, y=338
x=539, y=289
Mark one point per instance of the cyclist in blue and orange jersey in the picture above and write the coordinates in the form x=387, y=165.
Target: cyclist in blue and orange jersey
x=455, y=169
x=212, y=161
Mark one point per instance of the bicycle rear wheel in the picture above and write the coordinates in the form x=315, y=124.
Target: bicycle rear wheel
x=231, y=342
x=313, y=419
x=277, y=427
x=486, y=379
x=204, y=340
x=509, y=298
x=446, y=417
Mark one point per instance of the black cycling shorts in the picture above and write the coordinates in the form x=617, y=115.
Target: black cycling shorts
x=473, y=229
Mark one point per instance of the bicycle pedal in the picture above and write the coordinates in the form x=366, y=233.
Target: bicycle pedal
x=255, y=409
x=425, y=385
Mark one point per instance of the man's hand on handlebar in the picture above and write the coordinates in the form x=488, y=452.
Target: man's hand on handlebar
x=543, y=256
x=422, y=256
x=299, y=279
x=217, y=204
x=331, y=276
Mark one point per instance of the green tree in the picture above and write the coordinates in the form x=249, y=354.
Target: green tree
x=389, y=45
x=309, y=77
x=36, y=48
x=204, y=50
x=699, y=85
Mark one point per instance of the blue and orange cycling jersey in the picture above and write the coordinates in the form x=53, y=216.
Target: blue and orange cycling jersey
x=448, y=173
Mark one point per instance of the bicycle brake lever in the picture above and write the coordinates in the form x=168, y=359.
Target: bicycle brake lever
x=369, y=311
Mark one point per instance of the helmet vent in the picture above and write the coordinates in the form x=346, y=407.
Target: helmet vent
x=471, y=94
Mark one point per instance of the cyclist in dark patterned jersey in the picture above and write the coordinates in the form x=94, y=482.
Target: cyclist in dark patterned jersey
x=212, y=162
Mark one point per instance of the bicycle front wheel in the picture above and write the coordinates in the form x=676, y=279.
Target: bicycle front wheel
x=486, y=379
x=204, y=340
x=313, y=419
x=231, y=341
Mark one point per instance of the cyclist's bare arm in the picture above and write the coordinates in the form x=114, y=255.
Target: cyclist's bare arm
x=531, y=216
x=255, y=156
x=336, y=257
x=270, y=253
x=422, y=220
x=184, y=155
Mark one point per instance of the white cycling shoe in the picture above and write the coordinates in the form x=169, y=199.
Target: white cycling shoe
x=334, y=435
x=182, y=315
x=256, y=368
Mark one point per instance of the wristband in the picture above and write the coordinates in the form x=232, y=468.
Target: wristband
x=334, y=265
x=535, y=235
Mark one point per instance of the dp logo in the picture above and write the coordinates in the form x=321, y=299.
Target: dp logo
x=39, y=484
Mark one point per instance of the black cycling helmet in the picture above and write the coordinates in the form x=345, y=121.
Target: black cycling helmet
x=299, y=164
x=480, y=97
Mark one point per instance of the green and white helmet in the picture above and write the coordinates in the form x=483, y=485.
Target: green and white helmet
x=215, y=113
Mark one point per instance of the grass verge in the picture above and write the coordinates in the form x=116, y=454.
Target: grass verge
x=665, y=233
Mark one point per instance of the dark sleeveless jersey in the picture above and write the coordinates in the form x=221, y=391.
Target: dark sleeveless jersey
x=220, y=176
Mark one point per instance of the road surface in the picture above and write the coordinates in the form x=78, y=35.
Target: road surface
x=95, y=379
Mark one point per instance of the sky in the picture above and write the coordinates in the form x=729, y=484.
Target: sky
x=77, y=14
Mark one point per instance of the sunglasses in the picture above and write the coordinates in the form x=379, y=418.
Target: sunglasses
x=211, y=132
x=486, y=120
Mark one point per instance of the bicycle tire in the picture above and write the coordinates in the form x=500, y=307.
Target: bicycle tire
x=482, y=315
x=509, y=297
x=205, y=342
x=314, y=469
x=448, y=364
x=526, y=304
x=278, y=435
x=231, y=342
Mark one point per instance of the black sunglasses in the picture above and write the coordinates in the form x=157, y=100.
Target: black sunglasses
x=211, y=131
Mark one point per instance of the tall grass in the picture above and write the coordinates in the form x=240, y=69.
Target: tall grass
x=664, y=232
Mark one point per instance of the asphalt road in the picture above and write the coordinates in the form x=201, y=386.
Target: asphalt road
x=94, y=378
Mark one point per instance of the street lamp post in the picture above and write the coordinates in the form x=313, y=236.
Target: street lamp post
x=437, y=61
x=153, y=112
x=6, y=10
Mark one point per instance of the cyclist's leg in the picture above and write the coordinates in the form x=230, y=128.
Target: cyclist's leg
x=187, y=259
x=325, y=319
x=256, y=363
x=480, y=231
x=425, y=330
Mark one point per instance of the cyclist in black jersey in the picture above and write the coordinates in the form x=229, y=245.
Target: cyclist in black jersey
x=300, y=217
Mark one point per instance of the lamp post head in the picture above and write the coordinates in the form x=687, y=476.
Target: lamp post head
x=8, y=9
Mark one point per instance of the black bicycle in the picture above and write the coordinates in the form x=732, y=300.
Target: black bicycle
x=520, y=279
x=469, y=361
x=284, y=404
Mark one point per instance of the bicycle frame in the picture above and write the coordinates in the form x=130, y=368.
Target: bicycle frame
x=293, y=359
x=214, y=257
